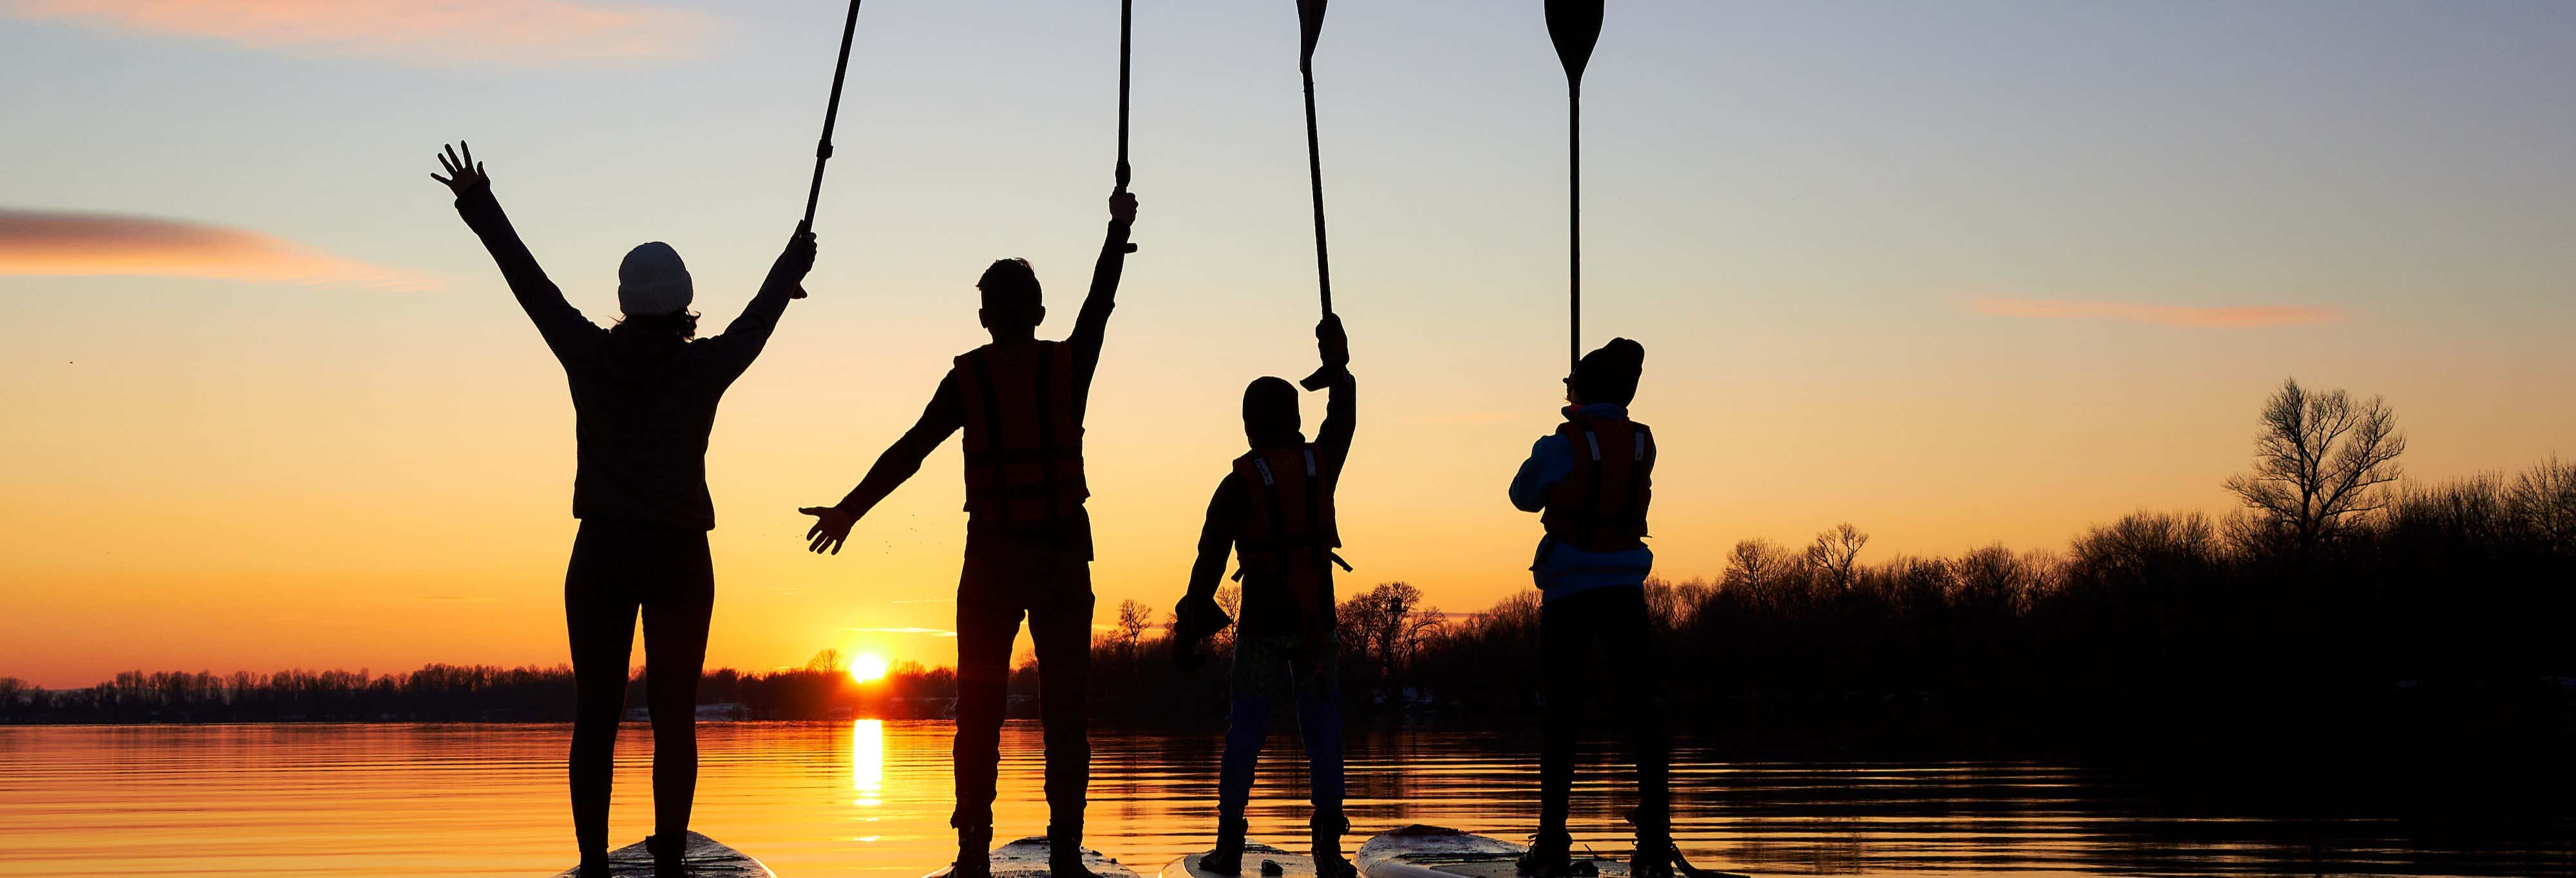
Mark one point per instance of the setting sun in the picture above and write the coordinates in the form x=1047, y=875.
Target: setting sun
x=868, y=667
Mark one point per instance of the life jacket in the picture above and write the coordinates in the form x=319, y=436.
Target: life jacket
x=1287, y=531
x=1023, y=434
x=1601, y=504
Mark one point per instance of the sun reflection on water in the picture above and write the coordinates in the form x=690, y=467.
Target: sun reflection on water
x=867, y=761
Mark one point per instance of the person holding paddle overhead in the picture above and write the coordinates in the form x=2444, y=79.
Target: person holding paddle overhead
x=1592, y=480
x=644, y=395
x=1020, y=401
x=1276, y=509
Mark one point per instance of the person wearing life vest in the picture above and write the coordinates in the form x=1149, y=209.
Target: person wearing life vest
x=1020, y=401
x=1275, y=509
x=1591, y=482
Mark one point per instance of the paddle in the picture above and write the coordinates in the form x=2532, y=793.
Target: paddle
x=1126, y=18
x=831, y=113
x=1310, y=21
x=1574, y=25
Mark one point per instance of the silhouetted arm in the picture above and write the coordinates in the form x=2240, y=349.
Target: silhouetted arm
x=557, y=320
x=1551, y=459
x=943, y=416
x=1341, y=417
x=743, y=339
x=1216, y=540
x=1341, y=406
x=1091, y=326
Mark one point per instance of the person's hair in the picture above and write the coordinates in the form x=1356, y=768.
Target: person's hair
x=682, y=323
x=1609, y=375
x=1010, y=285
x=1269, y=409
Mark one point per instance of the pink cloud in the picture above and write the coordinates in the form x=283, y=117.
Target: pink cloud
x=525, y=33
x=2239, y=317
x=59, y=243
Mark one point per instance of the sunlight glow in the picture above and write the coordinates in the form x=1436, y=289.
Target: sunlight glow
x=867, y=763
x=868, y=667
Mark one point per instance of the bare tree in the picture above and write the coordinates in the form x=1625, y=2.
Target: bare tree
x=2543, y=500
x=1763, y=571
x=1992, y=579
x=1133, y=618
x=1836, y=554
x=1390, y=623
x=1672, y=606
x=1230, y=599
x=2319, y=463
x=827, y=660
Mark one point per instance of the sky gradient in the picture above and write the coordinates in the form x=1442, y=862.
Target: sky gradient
x=1981, y=272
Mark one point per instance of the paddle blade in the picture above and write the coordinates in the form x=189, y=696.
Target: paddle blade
x=1574, y=25
x=1310, y=19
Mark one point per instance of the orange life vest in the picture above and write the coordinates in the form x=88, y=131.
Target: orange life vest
x=1601, y=504
x=1287, y=530
x=1023, y=433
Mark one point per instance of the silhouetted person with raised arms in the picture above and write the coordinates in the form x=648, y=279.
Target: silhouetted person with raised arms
x=1591, y=481
x=1276, y=509
x=1020, y=401
x=644, y=395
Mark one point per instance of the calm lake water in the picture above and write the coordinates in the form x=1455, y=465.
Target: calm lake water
x=871, y=798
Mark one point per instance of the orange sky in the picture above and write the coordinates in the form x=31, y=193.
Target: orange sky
x=268, y=404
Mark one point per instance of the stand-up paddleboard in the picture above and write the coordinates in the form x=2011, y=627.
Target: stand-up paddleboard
x=1027, y=858
x=1420, y=851
x=706, y=857
x=1259, y=861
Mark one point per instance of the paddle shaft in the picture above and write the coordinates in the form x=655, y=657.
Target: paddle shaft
x=1323, y=261
x=1574, y=215
x=1126, y=17
x=1126, y=22
x=831, y=113
x=1315, y=174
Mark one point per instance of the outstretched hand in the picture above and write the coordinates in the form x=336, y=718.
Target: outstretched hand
x=1122, y=213
x=797, y=260
x=1331, y=343
x=831, y=528
x=464, y=174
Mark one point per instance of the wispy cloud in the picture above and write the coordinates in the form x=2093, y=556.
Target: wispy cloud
x=935, y=632
x=520, y=33
x=41, y=242
x=2239, y=317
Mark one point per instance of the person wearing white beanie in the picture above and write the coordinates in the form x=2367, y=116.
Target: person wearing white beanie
x=644, y=394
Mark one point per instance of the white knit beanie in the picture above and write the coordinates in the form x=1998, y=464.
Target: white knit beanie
x=652, y=282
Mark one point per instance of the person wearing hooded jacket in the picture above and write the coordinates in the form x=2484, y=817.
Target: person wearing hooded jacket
x=1592, y=481
x=644, y=395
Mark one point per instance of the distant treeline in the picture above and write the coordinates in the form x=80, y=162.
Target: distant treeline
x=2339, y=611
x=2434, y=632
x=462, y=693
x=2443, y=616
